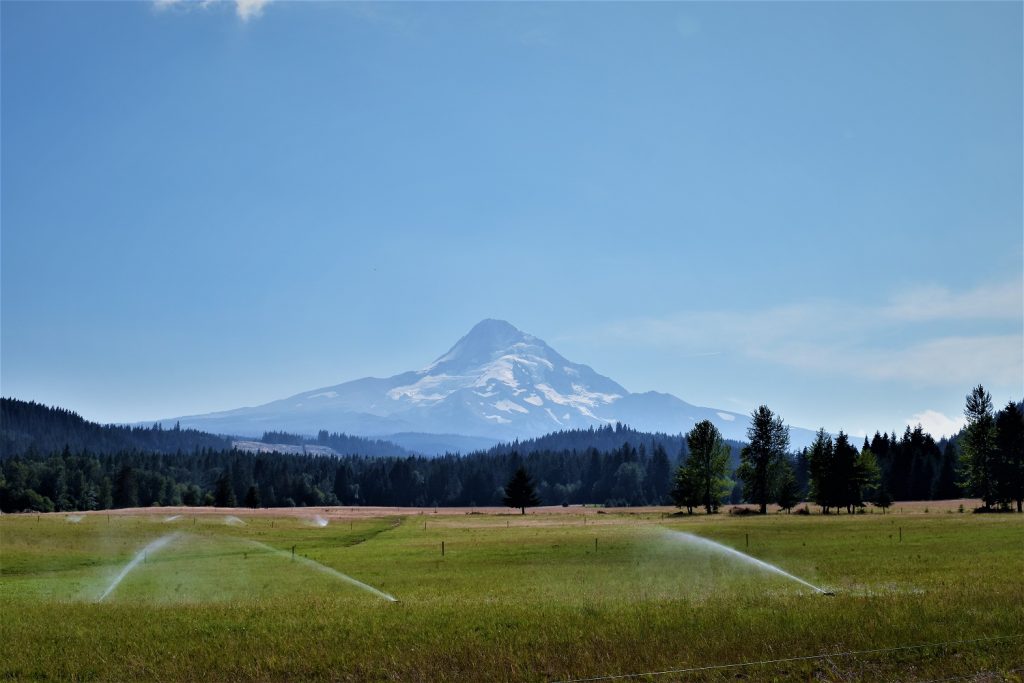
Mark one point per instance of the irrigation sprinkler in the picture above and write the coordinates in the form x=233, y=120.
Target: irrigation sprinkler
x=442, y=548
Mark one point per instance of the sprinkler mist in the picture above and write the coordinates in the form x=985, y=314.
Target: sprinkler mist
x=139, y=557
x=705, y=544
x=327, y=570
x=317, y=521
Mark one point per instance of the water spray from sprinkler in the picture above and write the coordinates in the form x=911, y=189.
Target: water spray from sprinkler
x=139, y=557
x=736, y=554
x=313, y=564
x=317, y=521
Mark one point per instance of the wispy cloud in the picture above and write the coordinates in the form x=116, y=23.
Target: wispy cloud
x=244, y=9
x=828, y=337
x=249, y=9
x=994, y=302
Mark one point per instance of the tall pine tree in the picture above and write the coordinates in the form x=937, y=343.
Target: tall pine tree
x=979, y=452
x=520, y=491
x=768, y=440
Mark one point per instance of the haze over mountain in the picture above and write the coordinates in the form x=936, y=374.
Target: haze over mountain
x=497, y=382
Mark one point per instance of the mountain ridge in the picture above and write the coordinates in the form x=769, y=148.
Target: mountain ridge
x=496, y=382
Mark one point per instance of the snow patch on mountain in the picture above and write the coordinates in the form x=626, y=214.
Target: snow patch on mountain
x=510, y=406
x=324, y=394
x=424, y=390
x=580, y=398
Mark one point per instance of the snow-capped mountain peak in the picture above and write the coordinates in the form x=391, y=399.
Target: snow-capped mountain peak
x=495, y=382
x=504, y=375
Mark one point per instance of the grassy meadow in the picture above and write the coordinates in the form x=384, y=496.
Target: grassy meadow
x=556, y=594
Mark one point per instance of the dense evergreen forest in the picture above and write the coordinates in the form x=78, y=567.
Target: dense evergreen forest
x=68, y=465
x=29, y=427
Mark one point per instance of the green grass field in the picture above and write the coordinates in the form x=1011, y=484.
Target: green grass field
x=513, y=597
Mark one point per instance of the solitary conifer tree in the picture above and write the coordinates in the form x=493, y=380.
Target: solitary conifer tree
x=759, y=461
x=519, y=492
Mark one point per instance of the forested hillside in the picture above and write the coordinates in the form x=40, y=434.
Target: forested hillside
x=30, y=427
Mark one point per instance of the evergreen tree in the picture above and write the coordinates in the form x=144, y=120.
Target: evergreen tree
x=821, y=467
x=126, y=489
x=945, y=487
x=520, y=492
x=789, y=489
x=868, y=477
x=802, y=472
x=883, y=499
x=685, y=489
x=252, y=497
x=707, y=466
x=659, y=474
x=979, y=451
x=1010, y=443
x=759, y=461
x=845, y=482
x=106, y=494
x=223, y=495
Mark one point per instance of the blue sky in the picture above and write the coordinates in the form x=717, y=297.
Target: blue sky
x=817, y=206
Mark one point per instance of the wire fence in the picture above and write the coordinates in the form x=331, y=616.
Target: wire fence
x=804, y=658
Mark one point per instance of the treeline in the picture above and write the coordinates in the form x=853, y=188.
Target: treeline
x=27, y=426
x=630, y=468
x=986, y=460
x=86, y=481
